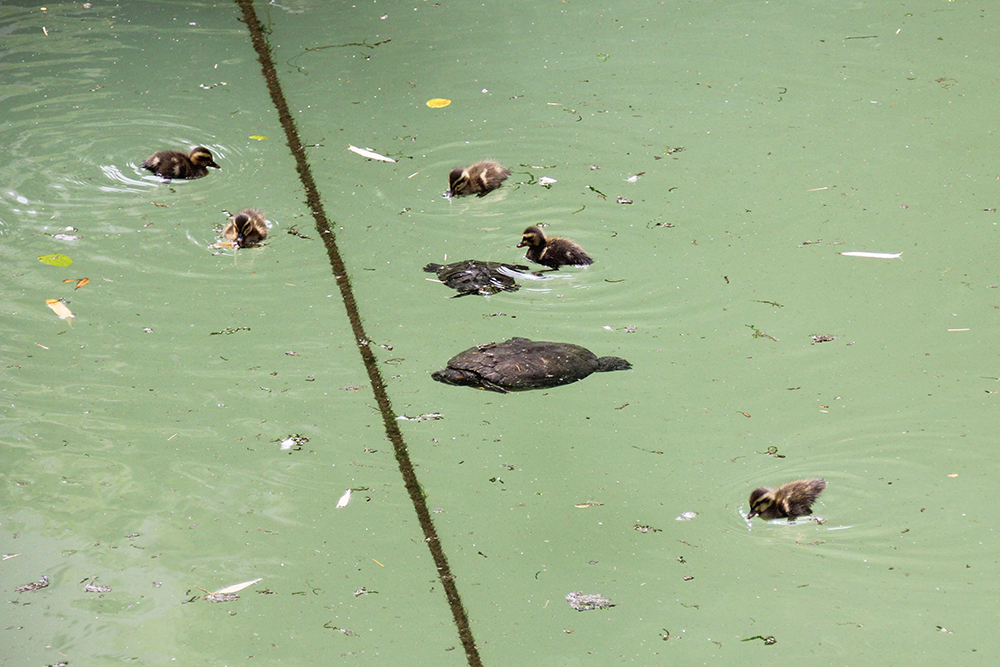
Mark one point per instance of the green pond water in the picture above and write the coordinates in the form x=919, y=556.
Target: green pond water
x=715, y=158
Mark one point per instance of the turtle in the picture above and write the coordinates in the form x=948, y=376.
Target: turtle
x=520, y=364
x=475, y=277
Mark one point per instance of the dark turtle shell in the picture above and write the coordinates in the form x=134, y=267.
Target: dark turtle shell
x=475, y=277
x=519, y=364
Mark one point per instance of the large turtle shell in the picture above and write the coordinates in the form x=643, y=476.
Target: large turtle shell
x=519, y=364
x=475, y=277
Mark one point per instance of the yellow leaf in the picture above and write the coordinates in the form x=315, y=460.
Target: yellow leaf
x=61, y=309
x=438, y=102
x=55, y=260
x=258, y=137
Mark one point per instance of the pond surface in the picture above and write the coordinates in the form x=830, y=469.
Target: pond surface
x=715, y=159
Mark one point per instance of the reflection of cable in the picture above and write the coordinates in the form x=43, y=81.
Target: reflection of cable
x=391, y=425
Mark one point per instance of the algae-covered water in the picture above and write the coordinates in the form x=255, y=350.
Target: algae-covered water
x=199, y=420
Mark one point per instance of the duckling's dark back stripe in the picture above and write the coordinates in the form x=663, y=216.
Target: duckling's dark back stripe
x=257, y=34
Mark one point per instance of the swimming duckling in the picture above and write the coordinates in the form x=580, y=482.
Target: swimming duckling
x=553, y=252
x=174, y=164
x=246, y=228
x=790, y=500
x=479, y=178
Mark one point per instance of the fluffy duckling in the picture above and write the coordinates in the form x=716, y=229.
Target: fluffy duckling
x=246, y=228
x=553, y=252
x=174, y=164
x=477, y=179
x=790, y=500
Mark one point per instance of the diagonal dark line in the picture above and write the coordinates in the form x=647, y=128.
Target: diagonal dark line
x=261, y=46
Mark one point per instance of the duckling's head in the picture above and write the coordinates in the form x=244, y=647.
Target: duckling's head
x=533, y=237
x=761, y=501
x=243, y=227
x=457, y=180
x=202, y=157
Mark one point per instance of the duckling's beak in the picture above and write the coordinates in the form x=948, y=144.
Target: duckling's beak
x=751, y=514
x=238, y=243
x=448, y=194
x=522, y=244
x=212, y=164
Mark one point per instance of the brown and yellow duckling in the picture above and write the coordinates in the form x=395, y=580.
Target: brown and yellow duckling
x=787, y=501
x=247, y=228
x=477, y=179
x=552, y=252
x=174, y=164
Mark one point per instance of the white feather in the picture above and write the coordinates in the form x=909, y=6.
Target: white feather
x=876, y=255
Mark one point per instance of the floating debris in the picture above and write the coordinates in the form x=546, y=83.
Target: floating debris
x=624, y=200
x=875, y=255
x=371, y=155
x=546, y=182
x=61, y=309
x=236, y=588
x=823, y=338
x=220, y=597
x=646, y=529
x=686, y=516
x=93, y=587
x=582, y=602
x=438, y=103
x=294, y=442
x=757, y=333
x=427, y=416
x=80, y=282
x=344, y=499
x=34, y=586
x=56, y=259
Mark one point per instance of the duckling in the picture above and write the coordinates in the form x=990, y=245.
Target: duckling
x=479, y=178
x=789, y=500
x=174, y=164
x=246, y=229
x=553, y=252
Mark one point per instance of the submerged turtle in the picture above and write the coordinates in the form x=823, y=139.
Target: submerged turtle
x=520, y=364
x=475, y=277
